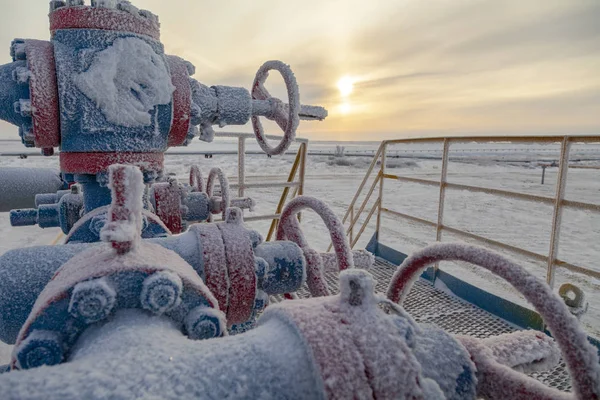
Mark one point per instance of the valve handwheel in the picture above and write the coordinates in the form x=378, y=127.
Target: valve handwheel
x=225, y=196
x=196, y=179
x=497, y=381
x=286, y=116
x=289, y=228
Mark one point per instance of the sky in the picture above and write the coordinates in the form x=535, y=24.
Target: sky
x=388, y=68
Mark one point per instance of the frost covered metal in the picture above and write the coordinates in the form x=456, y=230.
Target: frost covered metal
x=104, y=92
x=147, y=300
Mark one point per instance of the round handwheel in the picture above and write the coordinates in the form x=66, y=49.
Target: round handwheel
x=225, y=196
x=286, y=117
x=498, y=381
x=196, y=179
x=289, y=228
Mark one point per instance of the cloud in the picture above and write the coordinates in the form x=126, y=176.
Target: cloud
x=420, y=66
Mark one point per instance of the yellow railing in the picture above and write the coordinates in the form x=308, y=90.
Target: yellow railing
x=558, y=202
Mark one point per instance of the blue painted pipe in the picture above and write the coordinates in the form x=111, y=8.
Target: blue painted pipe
x=21, y=185
x=23, y=275
x=25, y=272
x=94, y=195
x=136, y=355
x=50, y=198
x=25, y=217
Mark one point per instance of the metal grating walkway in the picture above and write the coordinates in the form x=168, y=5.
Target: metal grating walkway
x=430, y=305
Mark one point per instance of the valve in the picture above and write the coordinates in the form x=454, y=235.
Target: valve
x=100, y=280
x=178, y=205
x=64, y=213
x=574, y=298
x=223, y=105
x=128, y=102
x=225, y=196
x=287, y=116
x=495, y=380
x=196, y=179
x=233, y=262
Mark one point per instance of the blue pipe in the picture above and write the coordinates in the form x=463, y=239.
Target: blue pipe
x=95, y=195
x=135, y=355
x=23, y=275
x=19, y=186
x=25, y=272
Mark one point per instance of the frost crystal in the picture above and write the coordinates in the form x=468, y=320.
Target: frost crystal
x=126, y=81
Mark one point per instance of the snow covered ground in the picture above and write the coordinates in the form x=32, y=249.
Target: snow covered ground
x=502, y=166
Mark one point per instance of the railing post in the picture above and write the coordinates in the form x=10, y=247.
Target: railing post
x=382, y=177
x=443, y=181
x=241, y=165
x=302, y=173
x=351, y=224
x=561, y=186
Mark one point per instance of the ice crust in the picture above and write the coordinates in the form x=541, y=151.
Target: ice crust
x=126, y=81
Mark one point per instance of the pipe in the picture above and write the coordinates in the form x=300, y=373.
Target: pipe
x=23, y=275
x=21, y=185
x=25, y=272
x=135, y=355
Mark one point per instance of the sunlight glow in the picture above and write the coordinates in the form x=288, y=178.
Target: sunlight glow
x=345, y=108
x=345, y=85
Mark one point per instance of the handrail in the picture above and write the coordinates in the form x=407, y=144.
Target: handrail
x=350, y=211
x=558, y=201
x=299, y=163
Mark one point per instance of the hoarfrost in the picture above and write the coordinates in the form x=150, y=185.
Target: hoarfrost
x=128, y=227
x=138, y=356
x=580, y=356
x=126, y=81
x=527, y=351
x=105, y=3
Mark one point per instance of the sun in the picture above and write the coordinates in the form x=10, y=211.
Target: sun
x=345, y=85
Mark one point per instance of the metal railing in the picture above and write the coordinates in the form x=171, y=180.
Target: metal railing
x=558, y=202
x=295, y=179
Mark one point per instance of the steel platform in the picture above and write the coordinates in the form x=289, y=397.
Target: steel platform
x=429, y=305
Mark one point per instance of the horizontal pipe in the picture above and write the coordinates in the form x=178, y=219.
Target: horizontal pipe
x=136, y=355
x=19, y=186
x=36, y=266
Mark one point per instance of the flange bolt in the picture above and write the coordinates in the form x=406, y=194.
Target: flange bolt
x=161, y=292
